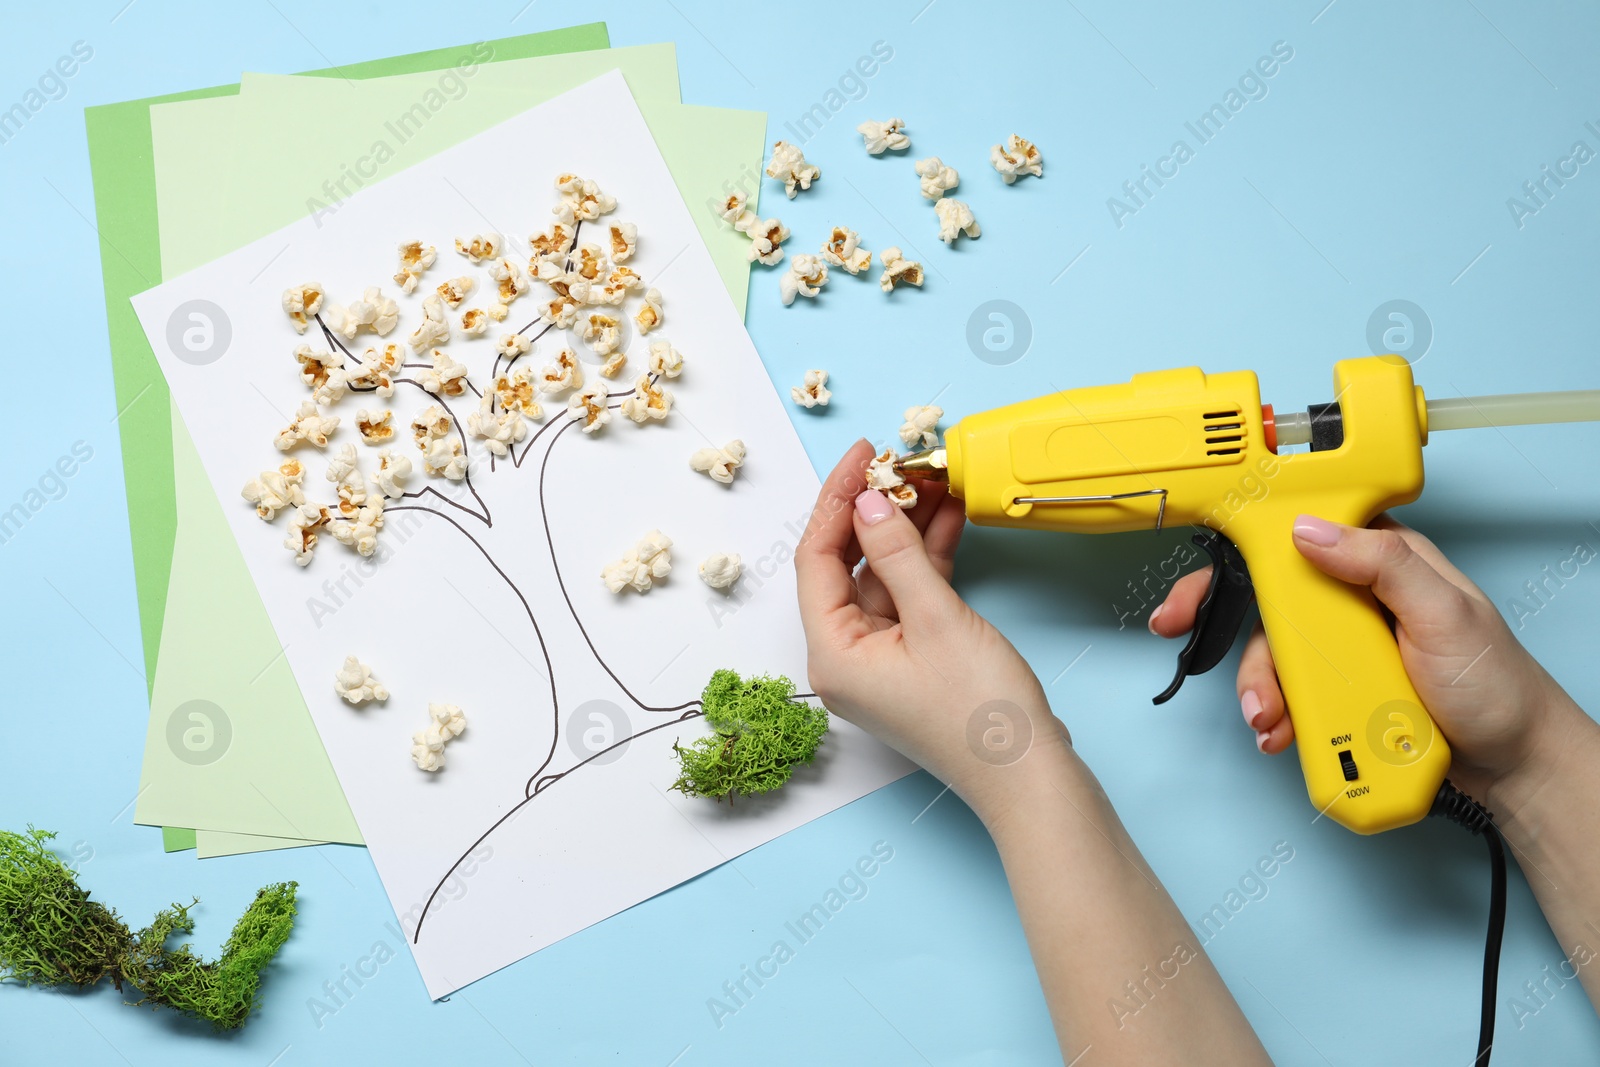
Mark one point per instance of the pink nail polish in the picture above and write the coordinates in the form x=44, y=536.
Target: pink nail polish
x=1261, y=740
x=873, y=507
x=1317, y=531
x=1154, y=615
x=1250, y=704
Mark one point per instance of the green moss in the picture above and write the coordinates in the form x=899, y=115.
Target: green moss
x=760, y=733
x=51, y=933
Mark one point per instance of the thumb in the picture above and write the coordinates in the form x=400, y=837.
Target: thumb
x=1400, y=578
x=895, y=551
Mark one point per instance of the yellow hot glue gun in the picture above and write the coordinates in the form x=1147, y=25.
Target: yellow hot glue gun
x=1182, y=446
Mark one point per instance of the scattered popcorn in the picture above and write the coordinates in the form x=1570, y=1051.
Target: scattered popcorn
x=882, y=475
x=602, y=333
x=308, y=425
x=588, y=406
x=898, y=270
x=554, y=242
x=301, y=303
x=766, y=241
x=737, y=214
x=1019, y=156
x=641, y=566
x=721, y=569
x=355, y=683
x=446, y=377
x=377, y=371
x=454, y=291
x=649, y=316
x=922, y=424
x=937, y=179
x=880, y=136
x=509, y=280
x=582, y=198
x=613, y=364
x=480, y=246
x=275, y=490
x=373, y=311
x=844, y=250
x=649, y=401
x=304, y=523
x=375, y=427
x=814, y=393
x=515, y=393
x=788, y=165
x=624, y=240
x=499, y=430
x=474, y=321
x=392, y=470
x=443, y=456
x=414, y=259
x=565, y=373
x=955, y=218
x=614, y=289
x=427, y=746
x=720, y=463
x=665, y=361
x=805, y=277
x=434, y=330
x=512, y=345
x=360, y=531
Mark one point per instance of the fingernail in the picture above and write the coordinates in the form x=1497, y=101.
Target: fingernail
x=1250, y=704
x=1154, y=615
x=1317, y=531
x=1261, y=739
x=873, y=507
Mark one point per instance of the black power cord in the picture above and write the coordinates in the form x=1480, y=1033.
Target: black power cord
x=1453, y=804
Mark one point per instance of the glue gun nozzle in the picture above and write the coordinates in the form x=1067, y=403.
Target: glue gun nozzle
x=930, y=464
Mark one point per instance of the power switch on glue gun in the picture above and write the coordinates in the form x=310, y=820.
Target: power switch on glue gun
x=1182, y=446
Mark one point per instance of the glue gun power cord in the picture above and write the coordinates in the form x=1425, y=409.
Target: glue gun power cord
x=1461, y=809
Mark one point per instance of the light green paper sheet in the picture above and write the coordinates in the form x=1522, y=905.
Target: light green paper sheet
x=706, y=149
x=123, y=171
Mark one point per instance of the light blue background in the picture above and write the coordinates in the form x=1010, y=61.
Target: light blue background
x=1377, y=167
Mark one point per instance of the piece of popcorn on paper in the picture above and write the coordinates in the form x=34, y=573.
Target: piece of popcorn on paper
x=665, y=361
x=360, y=531
x=589, y=407
x=806, y=276
x=788, y=165
x=498, y=429
x=624, y=241
x=881, y=475
x=374, y=312
x=1018, y=156
x=512, y=345
x=447, y=722
x=301, y=303
x=936, y=178
x=843, y=250
x=480, y=246
x=641, y=566
x=721, y=569
x=884, y=136
x=814, y=393
x=446, y=377
x=582, y=198
x=304, y=523
x=355, y=684
x=921, y=425
x=474, y=322
x=308, y=425
x=766, y=241
x=602, y=333
x=509, y=281
x=955, y=219
x=415, y=258
x=433, y=330
x=898, y=270
x=273, y=491
x=648, y=403
x=565, y=373
x=515, y=392
x=392, y=471
x=719, y=463
x=454, y=291
x=649, y=316
x=736, y=212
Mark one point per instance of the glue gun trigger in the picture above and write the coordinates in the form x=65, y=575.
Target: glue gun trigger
x=1221, y=614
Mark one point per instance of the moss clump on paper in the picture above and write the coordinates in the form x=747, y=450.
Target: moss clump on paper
x=51, y=933
x=760, y=733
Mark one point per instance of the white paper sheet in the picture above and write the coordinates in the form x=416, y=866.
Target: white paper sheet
x=497, y=874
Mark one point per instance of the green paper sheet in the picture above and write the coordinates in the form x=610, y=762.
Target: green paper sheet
x=275, y=750
x=123, y=171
